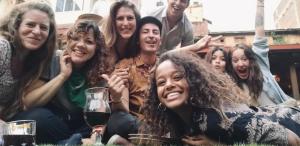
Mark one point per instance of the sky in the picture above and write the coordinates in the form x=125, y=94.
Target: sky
x=229, y=15
x=236, y=15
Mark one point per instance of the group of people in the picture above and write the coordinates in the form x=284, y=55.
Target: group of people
x=158, y=84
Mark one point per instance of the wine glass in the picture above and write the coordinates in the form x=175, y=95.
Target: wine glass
x=96, y=109
x=21, y=132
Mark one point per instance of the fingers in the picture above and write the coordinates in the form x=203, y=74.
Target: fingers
x=113, y=80
x=122, y=73
x=65, y=64
x=105, y=76
x=124, y=76
x=205, y=39
x=115, y=84
x=202, y=43
x=217, y=38
x=65, y=58
x=216, y=42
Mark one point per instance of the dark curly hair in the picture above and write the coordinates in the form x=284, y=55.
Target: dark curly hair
x=210, y=53
x=99, y=63
x=255, y=79
x=207, y=88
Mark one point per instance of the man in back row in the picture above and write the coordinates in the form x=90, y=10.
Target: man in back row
x=177, y=30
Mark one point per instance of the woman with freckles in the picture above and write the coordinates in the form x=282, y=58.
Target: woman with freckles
x=59, y=93
x=193, y=102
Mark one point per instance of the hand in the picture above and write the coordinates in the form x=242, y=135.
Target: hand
x=116, y=86
x=208, y=41
x=92, y=139
x=65, y=64
x=198, y=140
x=122, y=73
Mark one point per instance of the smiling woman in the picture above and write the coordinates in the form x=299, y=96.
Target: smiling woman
x=191, y=101
x=60, y=91
x=119, y=30
x=34, y=29
x=27, y=43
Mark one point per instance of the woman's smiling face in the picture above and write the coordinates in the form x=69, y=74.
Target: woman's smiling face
x=172, y=86
x=82, y=47
x=125, y=22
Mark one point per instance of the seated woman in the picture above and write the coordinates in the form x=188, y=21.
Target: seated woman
x=194, y=102
x=60, y=91
x=27, y=43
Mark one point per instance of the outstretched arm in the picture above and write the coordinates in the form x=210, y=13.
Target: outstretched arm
x=206, y=41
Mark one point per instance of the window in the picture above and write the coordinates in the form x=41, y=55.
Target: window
x=69, y=5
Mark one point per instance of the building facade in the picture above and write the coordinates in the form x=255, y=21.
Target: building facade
x=287, y=14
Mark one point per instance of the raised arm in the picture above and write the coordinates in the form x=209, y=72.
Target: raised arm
x=259, y=19
x=260, y=43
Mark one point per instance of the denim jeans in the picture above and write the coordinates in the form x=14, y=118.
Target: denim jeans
x=121, y=123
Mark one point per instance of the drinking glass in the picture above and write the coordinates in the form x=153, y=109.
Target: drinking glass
x=96, y=109
x=19, y=133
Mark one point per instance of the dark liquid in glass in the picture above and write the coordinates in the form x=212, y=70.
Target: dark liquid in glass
x=96, y=118
x=19, y=140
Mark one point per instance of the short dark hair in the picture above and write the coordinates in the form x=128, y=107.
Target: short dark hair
x=141, y=23
x=147, y=20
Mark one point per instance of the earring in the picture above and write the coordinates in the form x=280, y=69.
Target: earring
x=192, y=100
x=161, y=107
